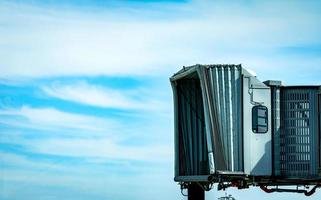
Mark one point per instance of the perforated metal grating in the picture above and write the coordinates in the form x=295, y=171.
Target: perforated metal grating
x=299, y=134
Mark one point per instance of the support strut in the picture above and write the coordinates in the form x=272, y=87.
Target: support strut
x=195, y=192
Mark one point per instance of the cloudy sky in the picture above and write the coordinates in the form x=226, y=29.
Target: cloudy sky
x=85, y=101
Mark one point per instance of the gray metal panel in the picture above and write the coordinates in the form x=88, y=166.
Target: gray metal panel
x=195, y=178
x=276, y=125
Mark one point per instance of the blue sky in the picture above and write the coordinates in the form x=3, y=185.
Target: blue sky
x=85, y=101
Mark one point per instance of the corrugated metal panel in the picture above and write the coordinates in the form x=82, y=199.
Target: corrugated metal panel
x=299, y=136
x=226, y=91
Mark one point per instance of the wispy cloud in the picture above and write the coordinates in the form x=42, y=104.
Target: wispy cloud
x=53, y=119
x=39, y=179
x=99, y=149
x=95, y=95
x=92, y=137
x=72, y=42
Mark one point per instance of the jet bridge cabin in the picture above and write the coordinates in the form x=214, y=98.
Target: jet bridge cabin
x=232, y=128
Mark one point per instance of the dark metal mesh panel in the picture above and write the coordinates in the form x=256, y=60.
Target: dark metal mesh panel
x=299, y=135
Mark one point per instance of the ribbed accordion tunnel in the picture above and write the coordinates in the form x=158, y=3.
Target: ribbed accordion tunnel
x=208, y=120
x=191, y=128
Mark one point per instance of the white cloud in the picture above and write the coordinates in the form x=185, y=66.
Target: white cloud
x=84, y=93
x=100, y=149
x=42, y=42
x=92, y=138
x=86, y=182
x=20, y=161
x=53, y=119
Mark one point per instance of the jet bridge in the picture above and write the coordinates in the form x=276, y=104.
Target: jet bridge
x=234, y=130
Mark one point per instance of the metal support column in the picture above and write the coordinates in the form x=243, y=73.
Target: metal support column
x=195, y=192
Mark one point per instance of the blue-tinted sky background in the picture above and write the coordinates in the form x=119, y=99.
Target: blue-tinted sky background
x=85, y=101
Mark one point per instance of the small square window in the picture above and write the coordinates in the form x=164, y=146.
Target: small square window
x=259, y=119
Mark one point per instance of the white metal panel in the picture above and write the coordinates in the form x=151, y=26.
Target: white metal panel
x=257, y=146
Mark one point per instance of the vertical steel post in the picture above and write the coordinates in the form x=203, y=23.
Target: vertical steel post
x=195, y=192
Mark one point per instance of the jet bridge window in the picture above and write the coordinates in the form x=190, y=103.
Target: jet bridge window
x=259, y=119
